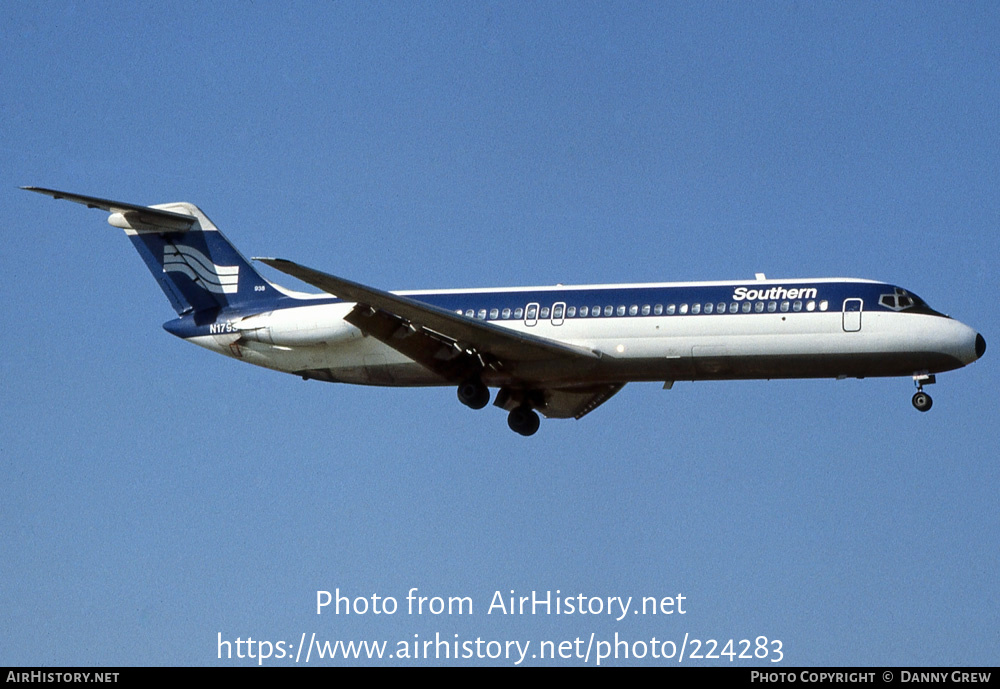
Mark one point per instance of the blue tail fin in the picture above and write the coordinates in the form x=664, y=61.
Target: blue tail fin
x=194, y=264
x=198, y=269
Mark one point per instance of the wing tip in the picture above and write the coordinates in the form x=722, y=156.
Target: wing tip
x=42, y=190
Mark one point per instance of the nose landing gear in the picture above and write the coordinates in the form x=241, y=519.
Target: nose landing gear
x=921, y=400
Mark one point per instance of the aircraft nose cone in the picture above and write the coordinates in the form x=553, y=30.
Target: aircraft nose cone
x=980, y=346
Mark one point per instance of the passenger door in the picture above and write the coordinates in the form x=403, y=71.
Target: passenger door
x=852, y=315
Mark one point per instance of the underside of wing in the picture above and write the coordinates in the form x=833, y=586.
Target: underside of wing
x=451, y=345
x=566, y=403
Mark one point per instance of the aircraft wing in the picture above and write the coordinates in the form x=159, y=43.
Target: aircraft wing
x=448, y=343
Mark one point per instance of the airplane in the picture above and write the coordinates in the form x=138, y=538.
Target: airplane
x=561, y=351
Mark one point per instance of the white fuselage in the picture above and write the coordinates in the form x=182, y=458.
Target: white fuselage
x=766, y=342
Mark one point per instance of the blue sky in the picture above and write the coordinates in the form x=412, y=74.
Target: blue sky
x=155, y=495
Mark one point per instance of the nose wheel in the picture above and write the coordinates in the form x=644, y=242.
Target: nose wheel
x=921, y=400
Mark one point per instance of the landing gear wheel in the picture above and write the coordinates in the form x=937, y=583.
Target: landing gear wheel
x=922, y=401
x=473, y=394
x=523, y=420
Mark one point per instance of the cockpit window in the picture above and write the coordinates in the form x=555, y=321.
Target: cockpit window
x=897, y=301
x=901, y=300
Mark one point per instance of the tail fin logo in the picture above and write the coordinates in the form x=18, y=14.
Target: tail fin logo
x=197, y=266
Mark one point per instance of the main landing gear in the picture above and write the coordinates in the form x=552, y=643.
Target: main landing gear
x=473, y=394
x=921, y=400
x=522, y=418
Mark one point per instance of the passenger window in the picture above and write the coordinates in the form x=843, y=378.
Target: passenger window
x=545, y=313
x=746, y=307
x=824, y=305
x=595, y=312
x=494, y=314
x=721, y=307
x=671, y=309
x=796, y=306
x=683, y=309
x=733, y=307
x=532, y=312
x=811, y=306
x=784, y=307
x=609, y=310
x=758, y=307
x=584, y=311
x=557, y=311
x=658, y=310
x=695, y=308
x=518, y=312
x=571, y=312
x=506, y=314
x=709, y=307
x=772, y=306
x=645, y=309
x=470, y=313
x=482, y=314
x=633, y=310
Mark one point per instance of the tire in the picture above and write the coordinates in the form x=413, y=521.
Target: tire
x=473, y=394
x=523, y=420
x=922, y=401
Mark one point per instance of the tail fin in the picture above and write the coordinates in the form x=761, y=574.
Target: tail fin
x=198, y=269
x=193, y=262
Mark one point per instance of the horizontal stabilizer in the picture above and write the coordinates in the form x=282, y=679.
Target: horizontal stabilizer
x=197, y=268
x=141, y=217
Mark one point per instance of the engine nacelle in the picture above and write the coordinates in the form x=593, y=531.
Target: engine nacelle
x=300, y=326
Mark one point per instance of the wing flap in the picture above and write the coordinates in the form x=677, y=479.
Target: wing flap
x=440, y=354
